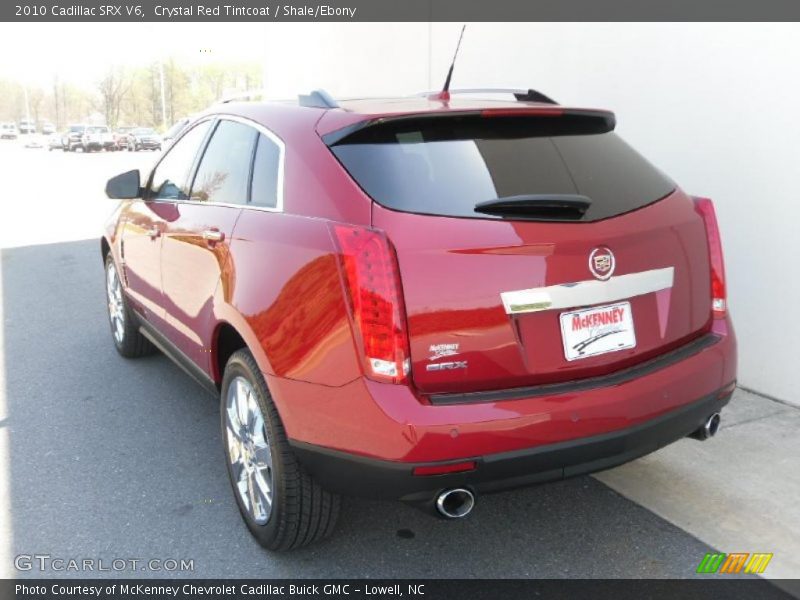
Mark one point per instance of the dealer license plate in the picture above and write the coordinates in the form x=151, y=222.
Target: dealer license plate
x=597, y=330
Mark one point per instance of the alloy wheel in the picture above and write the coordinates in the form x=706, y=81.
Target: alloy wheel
x=249, y=450
x=116, y=306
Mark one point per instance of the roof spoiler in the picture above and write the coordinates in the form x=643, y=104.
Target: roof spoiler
x=552, y=120
x=521, y=95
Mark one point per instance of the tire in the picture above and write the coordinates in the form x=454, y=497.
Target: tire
x=301, y=512
x=125, y=333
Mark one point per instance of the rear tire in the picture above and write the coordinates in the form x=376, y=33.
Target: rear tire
x=128, y=340
x=290, y=509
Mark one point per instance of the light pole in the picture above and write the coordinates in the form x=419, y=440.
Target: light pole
x=27, y=106
x=163, y=96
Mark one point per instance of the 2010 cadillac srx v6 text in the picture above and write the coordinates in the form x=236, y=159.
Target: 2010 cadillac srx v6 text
x=422, y=298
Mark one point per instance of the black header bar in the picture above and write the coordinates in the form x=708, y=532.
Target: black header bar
x=398, y=10
x=709, y=588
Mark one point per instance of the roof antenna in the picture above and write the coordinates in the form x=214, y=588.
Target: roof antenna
x=445, y=93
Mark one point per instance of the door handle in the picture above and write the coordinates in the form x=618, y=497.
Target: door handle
x=153, y=232
x=213, y=235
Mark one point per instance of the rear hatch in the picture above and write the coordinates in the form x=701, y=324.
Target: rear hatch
x=534, y=246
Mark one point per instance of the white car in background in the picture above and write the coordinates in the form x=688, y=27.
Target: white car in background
x=27, y=126
x=97, y=137
x=8, y=131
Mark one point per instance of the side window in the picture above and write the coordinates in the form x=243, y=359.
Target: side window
x=224, y=170
x=170, y=177
x=266, y=169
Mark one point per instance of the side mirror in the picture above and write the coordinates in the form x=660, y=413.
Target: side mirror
x=124, y=186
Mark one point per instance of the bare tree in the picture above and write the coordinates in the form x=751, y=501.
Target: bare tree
x=113, y=88
x=35, y=98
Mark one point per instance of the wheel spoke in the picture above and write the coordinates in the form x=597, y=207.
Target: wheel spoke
x=253, y=412
x=244, y=492
x=234, y=447
x=262, y=480
x=233, y=418
x=256, y=502
x=263, y=456
x=241, y=401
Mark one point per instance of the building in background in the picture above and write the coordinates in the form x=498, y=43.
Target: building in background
x=711, y=104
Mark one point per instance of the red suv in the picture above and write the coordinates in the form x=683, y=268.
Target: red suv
x=421, y=298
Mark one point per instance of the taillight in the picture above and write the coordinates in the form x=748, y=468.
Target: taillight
x=372, y=279
x=719, y=296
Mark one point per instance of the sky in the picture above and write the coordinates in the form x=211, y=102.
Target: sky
x=33, y=54
x=347, y=58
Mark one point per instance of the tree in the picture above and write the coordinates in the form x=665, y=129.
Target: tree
x=113, y=88
x=35, y=99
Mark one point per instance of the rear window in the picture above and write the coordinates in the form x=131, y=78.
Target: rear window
x=447, y=165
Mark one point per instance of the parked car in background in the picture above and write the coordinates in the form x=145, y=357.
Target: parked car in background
x=422, y=298
x=8, y=131
x=121, y=137
x=97, y=137
x=27, y=126
x=71, y=139
x=54, y=142
x=144, y=138
x=48, y=128
x=173, y=132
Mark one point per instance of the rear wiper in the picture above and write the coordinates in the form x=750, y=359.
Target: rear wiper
x=546, y=207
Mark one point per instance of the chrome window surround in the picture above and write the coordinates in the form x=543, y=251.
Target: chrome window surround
x=587, y=293
x=225, y=117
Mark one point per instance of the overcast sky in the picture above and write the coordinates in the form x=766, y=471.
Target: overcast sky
x=345, y=58
x=35, y=52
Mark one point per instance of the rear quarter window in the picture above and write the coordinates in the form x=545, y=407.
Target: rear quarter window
x=446, y=166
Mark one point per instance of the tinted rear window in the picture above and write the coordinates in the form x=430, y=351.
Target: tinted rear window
x=446, y=166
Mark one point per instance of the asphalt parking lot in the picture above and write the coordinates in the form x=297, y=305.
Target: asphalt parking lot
x=105, y=458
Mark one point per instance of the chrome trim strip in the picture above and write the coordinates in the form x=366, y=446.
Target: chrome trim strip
x=587, y=293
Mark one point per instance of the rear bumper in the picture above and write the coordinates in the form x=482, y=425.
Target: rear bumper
x=365, y=438
x=360, y=476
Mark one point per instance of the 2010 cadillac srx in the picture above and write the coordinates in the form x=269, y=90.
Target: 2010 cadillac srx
x=422, y=298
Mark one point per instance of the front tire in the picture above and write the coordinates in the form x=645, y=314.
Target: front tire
x=128, y=340
x=282, y=506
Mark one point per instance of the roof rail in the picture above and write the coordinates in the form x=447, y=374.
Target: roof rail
x=317, y=99
x=241, y=96
x=521, y=95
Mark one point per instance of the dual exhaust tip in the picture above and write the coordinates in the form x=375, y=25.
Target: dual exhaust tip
x=455, y=503
x=709, y=428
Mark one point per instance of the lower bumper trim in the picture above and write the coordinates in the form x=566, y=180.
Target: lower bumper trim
x=355, y=475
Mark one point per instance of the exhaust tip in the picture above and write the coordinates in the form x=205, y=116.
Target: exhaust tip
x=456, y=503
x=709, y=428
x=712, y=425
